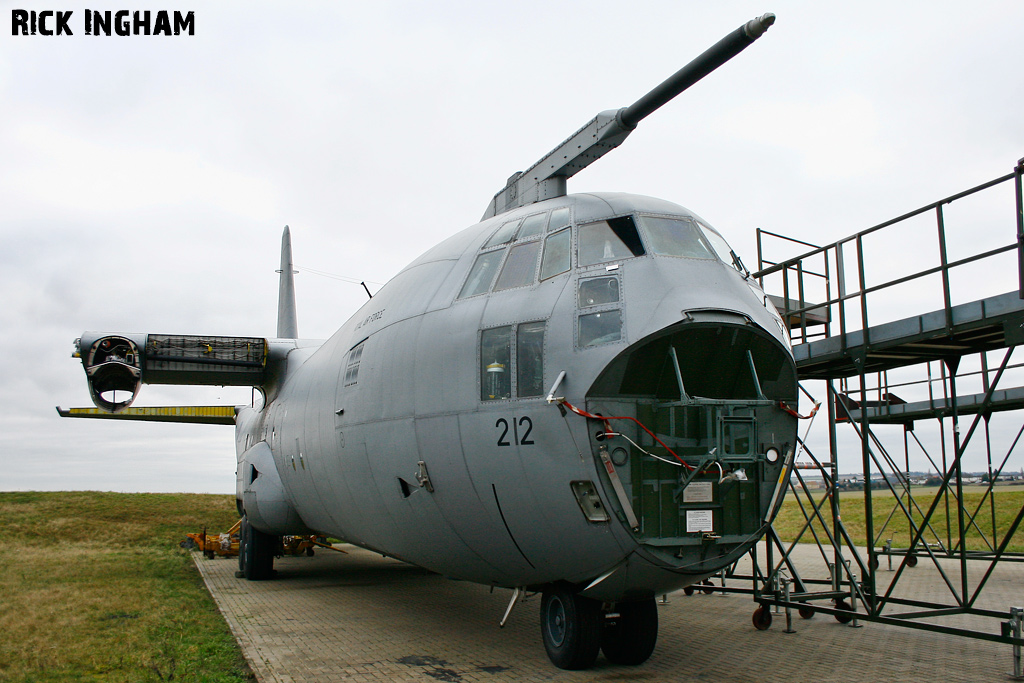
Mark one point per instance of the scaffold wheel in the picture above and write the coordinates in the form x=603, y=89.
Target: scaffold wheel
x=844, y=618
x=762, y=618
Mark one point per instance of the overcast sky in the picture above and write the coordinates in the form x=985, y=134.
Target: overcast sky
x=145, y=181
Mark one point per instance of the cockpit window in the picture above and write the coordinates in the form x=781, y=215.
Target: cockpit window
x=599, y=328
x=599, y=290
x=482, y=274
x=610, y=240
x=499, y=362
x=520, y=266
x=533, y=225
x=676, y=237
x=504, y=234
x=722, y=247
x=556, y=254
x=496, y=363
x=559, y=219
x=530, y=359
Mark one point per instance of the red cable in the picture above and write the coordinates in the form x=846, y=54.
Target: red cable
x=783, y=406
x=608, y=428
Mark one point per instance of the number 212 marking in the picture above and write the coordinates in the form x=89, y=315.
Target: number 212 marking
x=503, y=424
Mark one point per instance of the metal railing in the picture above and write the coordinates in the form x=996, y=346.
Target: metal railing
x=826, y=266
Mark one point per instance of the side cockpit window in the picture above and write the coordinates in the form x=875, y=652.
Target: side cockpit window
x=496, y=363
x=512, y=352
x=610, y=240
x=530, y=360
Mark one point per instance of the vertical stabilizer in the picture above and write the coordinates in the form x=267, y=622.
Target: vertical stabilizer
x=287, y=324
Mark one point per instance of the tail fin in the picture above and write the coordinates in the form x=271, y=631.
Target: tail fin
x=287, y=323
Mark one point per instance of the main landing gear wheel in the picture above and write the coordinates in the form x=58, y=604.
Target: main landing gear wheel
x=256, y=552
x=762, y=618
x=571, y=628
x=631, y=637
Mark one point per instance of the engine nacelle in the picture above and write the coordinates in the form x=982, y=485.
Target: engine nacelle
x=113, y=366
x=116, y=365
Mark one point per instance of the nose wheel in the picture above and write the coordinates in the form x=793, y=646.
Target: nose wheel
x=571, y=628
x=630, y=637
x=575, y=629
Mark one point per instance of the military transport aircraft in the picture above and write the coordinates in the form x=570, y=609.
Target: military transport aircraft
x=581, y=395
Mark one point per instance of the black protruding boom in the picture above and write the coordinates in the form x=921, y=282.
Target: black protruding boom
x=546, y=179
x=712, y=58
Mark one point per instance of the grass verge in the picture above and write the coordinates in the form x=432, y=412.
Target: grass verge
x=1008, y=503
x=94, y=587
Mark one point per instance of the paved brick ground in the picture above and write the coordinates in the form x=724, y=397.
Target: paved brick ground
x=359, y=617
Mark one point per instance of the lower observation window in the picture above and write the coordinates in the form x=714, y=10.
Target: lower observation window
x=600, y=328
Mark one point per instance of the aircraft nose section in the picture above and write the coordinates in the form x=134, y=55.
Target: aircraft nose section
x=704, y=426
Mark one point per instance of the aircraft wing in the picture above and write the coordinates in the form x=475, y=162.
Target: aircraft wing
x=218, y=415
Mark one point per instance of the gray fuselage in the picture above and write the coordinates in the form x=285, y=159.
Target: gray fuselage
x=442, y=369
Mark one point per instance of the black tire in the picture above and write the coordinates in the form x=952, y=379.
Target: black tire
x=844, y=618
x=911, y=560
x=243, y=545
x=689, y=590
x=256, y=552
x=570, y=626
x=630, y=639
x=708, y=586
x=762, y=618
x=806, y=613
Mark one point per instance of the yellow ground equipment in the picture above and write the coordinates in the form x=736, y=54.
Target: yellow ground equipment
x=226, y=544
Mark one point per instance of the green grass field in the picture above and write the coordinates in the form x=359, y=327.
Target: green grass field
x=1008, y=502
x=94, y=587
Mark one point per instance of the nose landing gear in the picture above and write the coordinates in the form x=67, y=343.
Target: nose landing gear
x=575, y=629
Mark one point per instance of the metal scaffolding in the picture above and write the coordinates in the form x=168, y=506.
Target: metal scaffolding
x=967, y=337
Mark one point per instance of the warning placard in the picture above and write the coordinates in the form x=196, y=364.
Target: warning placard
x=699, y=520
x=698, y=492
